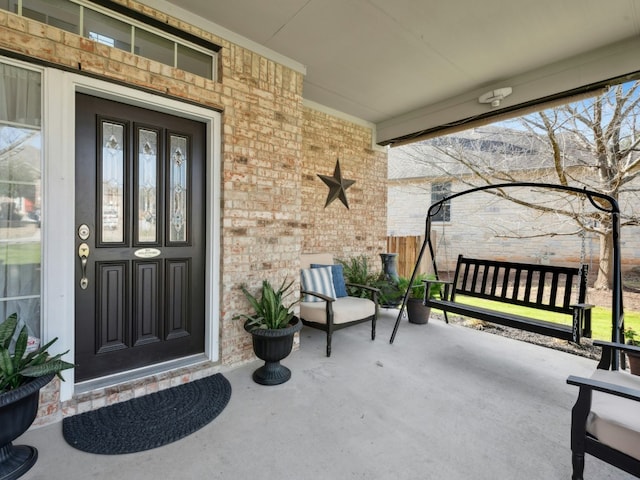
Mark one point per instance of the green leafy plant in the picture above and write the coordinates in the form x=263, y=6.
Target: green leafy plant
x=356, y=271
x=20, y=367
x=630, y=335
x=417, y=290
x=270, y=310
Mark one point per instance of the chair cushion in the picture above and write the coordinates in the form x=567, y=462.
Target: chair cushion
x=615, y=421
x=338, y=278
x=345, y=309
x=317, y=280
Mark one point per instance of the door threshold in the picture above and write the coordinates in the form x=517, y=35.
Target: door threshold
x=138, y=373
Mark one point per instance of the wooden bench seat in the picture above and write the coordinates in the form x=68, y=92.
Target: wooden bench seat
x=542, y=287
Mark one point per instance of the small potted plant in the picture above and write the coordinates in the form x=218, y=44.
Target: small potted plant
x=272, y=327
x=417, y=312
x=631, y=337
x=22, y=375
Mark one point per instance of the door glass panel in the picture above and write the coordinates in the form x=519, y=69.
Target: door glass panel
x=178, y=149
x=147, y=185
x=20, y=196
x=112, y=227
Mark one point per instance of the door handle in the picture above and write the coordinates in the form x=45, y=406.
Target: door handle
x=83, y=253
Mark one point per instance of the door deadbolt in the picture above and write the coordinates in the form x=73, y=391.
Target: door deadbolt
x=83, y=231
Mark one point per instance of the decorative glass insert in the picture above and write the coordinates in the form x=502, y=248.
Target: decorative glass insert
x=20, y=195
x=178, y=148
x=147, y=185
x=112, y=183
x=57, y=13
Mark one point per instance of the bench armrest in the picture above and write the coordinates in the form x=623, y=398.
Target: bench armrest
x=617, y=346
x=326, y=298
x=583, y=306
x=610, y=349
x=605, y=387
x=447, y=288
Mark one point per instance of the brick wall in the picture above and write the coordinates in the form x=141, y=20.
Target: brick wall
x=273, y=147
x=361, y=229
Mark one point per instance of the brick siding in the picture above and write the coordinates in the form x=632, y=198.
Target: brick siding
x=273, y=149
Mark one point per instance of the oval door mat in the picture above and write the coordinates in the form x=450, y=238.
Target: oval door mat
x=149, y=421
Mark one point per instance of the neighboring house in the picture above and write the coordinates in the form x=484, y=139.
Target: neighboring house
x=139, y=194
x=480, y=224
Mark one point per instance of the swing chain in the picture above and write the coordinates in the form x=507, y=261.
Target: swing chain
x=583, y=234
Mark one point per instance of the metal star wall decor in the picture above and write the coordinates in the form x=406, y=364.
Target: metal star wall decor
x=337, y=186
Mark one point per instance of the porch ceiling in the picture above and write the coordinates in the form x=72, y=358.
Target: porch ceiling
x=408, y=65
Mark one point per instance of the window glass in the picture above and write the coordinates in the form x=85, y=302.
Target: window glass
x=438, y=192
x=20, y=195
x=154, y=47
x=107, y=30
x=195, y=62
x=57, y=13
x=9, y=5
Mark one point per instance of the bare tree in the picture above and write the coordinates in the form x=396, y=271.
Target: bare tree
x=593, y=143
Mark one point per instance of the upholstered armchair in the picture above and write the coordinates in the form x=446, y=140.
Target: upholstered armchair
x=325, y=303
x=605, y=420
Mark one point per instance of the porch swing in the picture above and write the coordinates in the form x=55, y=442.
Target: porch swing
x=489, y=279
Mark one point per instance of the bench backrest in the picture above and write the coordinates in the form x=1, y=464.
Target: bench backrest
x=545, y=287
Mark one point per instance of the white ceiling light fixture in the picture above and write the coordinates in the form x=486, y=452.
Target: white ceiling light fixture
x=494, y=97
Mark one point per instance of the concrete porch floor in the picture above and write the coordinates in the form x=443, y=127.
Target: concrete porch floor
x=443, y=402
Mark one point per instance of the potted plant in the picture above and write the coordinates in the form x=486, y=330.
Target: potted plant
x=22, y=375
x=272, y=328
x=417, y=312
x=631, y=337
x=356, y=272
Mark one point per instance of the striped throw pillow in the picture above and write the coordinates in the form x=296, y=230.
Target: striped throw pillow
x=317, y=280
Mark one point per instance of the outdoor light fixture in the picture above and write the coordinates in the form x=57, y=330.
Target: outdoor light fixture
x=494, y=97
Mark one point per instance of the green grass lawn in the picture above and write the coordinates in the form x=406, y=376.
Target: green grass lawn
x=600, y=316
x=20, y=253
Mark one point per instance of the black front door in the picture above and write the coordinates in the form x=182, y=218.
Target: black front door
x=140, y=237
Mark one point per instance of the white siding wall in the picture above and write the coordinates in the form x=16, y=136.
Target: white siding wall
x=481, y=225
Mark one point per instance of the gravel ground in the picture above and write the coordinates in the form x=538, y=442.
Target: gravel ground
x=631, y=300
x=585, y=349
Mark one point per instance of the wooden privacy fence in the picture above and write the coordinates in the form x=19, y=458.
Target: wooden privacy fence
x=408, y=249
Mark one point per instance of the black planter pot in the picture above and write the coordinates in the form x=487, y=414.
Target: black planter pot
x=417, y=312
x=18, y=410
x=272, y=346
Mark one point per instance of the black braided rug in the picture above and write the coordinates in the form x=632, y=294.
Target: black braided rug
x=149, y=421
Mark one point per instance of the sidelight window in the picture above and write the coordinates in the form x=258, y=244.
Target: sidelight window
x=20, y=195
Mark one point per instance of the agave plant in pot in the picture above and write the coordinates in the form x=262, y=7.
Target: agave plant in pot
x=272, y=327
x=22, y=375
